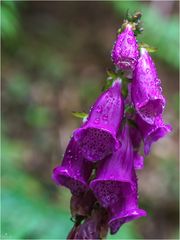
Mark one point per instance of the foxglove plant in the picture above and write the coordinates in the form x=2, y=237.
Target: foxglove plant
x=101, y=159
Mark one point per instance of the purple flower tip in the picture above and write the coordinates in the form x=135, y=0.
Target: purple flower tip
x=152, y=132
x=146, y=91
x=125, y=50
x=125, y=216
x=97, y=137
x=125, y=210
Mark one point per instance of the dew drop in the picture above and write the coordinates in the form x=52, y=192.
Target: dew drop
x=96, y=121
x=99, y=109
x=158, y=81
x=147, y=70
x=160, y=89
x=105, y=117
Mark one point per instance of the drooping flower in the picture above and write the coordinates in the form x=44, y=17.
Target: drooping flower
x=114, y=179
x=146, y=91
x=97, y=137
x=125, y=50
x=152, y=133
x=124, y=211
x=74, y=171
x=116, y=185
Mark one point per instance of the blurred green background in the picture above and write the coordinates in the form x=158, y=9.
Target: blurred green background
x=54, y=61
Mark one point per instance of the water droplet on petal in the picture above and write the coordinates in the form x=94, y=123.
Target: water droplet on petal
x=160, y=89
x=99, y=109
x=147, y=70
x=105, y=117
x=96, y=121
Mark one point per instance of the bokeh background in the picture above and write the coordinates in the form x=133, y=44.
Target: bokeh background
x=54, y=61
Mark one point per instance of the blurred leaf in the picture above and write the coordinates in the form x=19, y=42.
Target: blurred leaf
x=18, y=87
x=108, y=84
x=9, y=21
x=38, y=116
x=80, y=114
x=89, y=91
x=175, y=103
x=24, y=218
x=11, y=151
x=26, y=213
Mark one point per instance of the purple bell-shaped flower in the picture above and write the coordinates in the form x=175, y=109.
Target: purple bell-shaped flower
x=114, y=179
x=97, y=137
x=125, y=50
x=152, y=133
x=146, y=91
x=74, y=171
x=125, y=210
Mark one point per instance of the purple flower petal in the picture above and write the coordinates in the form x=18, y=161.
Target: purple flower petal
x=125, y=50
x=136, y=139
x=135, y=136
x=115, y=174
x=146, y=91
x=152, y=133
x=138, y=161
x=74, y=171
x=97, y=137
x=124, y=211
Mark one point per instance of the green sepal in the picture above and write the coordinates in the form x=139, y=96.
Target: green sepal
x=119, y=31
x=108, y=84
x=129, y=109
x=81, y=115
x=132, y=123
x=147, y=47
x=111, y=74
x=109, y=80
x=125, y=82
